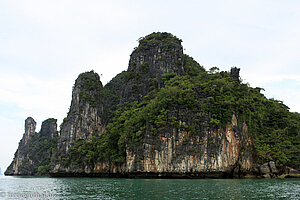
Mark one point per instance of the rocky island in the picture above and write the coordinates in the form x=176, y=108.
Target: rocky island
x=166, y=117
x=33, y=156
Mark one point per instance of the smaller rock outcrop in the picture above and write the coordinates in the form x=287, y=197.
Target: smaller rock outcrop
x=35, y=149
x=264, y=168
x=290, y=173
x=273, y=168
x=268, y=170
x=30, y=126
x=235, y=74
x=49, y=128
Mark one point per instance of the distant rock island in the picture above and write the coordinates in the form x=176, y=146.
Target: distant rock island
x=0, y=172
x=165, y=117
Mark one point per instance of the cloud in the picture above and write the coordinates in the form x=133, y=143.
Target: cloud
x=11, y=134
x=35, y=96
x=285, y=89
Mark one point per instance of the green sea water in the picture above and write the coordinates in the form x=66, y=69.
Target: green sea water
x=102, y=188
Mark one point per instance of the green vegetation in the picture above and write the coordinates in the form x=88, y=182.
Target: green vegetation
x=166, y=40
x=40, y=152
x=91, y=87
x=278, y=137
x=191, y=67
x=197, y=97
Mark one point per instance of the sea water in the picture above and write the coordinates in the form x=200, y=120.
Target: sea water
x=114, y=188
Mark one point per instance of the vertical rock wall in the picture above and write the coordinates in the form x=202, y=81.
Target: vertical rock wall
x=84, y=117
x=30, y=126
x=159, y=55
x=226, y=151
x=218, y=151
x=35, y=149
x=153, y=57
x=21, y=155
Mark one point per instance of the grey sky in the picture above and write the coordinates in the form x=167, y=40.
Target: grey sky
x=44, y=45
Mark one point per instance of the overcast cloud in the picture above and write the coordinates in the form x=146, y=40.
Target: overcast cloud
x=44, y=45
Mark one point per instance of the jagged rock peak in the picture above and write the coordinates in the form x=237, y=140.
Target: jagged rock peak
x=235, y=73
x=87, y=88
x=35, y=149
x=157, y=53
x=87, y=79
x=30, y=126
x=49, y=128
x=161, y=39
x=83, y=120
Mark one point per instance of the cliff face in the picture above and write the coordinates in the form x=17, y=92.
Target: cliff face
x=35, y=149
x=156, y=54
x=83, y=120
x=223, y=152
x=214, y=153
x=170, y=151
x=166, y=116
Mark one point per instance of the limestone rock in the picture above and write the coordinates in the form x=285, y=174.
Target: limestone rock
x=84, y=117
x=215, y=152
x=273, y=168
x=291, y=173
x=157, y=53
x=265, y=169
x=184, y=138
x=30, y=126
x=268, y=170
x=235, y=73
x=49, y=128
x=212, y=153
x=162, y=52
x=35, y=149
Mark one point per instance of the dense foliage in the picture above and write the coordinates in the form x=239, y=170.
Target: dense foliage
x=155, y=39
x=91, y=88
x=40, y=152
x=199, y=97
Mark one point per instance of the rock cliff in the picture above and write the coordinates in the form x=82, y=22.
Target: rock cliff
x=224, y=152
x=35, y=149
x=178, y=153
x=157, y=54
x=166, y=116
x=170, y=151
x=84, y=117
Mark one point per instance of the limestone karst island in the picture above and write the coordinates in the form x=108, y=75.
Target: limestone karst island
x=166, y=117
